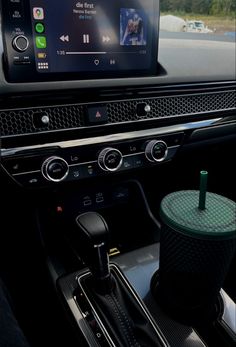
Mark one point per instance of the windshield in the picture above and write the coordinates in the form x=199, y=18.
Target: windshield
x=199, y=36
x=216, y=17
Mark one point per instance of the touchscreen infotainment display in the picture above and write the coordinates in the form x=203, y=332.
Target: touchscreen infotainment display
x=93, y=35
x=79, y=39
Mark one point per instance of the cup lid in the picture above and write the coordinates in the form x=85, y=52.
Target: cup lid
x=179, y=210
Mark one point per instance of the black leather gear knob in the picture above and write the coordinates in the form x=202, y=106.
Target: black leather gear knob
x=94, y=233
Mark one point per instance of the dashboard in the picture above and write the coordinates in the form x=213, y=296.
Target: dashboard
x=71, y=115
x=86, y=145
x=88, y=124
x=100, y=110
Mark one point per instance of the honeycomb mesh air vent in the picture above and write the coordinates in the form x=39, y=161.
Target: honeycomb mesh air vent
x=15, y=122
x=173, y=106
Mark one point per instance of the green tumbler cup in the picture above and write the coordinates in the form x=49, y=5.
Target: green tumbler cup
x=198, y=242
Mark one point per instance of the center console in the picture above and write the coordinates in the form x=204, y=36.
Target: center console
x=135, y=269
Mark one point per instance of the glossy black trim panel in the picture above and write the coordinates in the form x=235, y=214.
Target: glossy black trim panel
x=114, y=137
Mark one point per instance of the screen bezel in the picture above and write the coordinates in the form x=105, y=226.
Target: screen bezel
x=30, y=74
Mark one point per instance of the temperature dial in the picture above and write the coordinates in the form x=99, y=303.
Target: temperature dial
x=110, y=159
x=156, y=151
x=55, y=169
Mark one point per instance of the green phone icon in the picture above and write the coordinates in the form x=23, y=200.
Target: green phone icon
x=41, y=42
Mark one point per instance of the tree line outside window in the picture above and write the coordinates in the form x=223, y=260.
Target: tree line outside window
x=207, y=7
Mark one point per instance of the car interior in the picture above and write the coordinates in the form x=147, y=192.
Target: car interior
x=117, y=178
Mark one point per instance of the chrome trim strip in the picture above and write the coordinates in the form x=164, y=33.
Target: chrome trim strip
x=26, y=173
x=82, y=324
x=85, y=163
x=132, y=154
x=108, y=338
x=229, y=314
x=115, y=137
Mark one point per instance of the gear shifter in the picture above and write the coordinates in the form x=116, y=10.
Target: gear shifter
x=120, y=311
x=94, y=232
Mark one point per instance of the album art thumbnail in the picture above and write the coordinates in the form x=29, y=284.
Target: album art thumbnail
x=133, y=27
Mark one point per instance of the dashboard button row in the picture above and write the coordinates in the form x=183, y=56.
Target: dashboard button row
x=83, y=171
x=71, y=164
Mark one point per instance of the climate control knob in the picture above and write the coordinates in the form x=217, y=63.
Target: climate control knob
x=55, y=169
x=110, y=159
x=156, y=151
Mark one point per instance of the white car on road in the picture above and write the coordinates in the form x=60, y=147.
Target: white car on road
x=197, y=26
